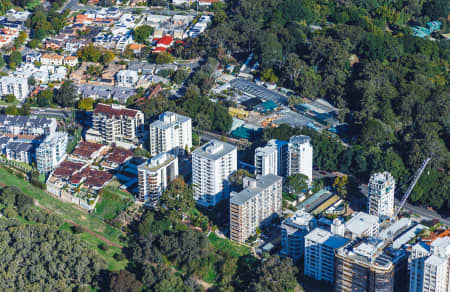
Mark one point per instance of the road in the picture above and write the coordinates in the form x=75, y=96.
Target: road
x=74, y=5
x=419, y=210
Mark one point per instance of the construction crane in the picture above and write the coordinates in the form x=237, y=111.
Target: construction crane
x=411, y=186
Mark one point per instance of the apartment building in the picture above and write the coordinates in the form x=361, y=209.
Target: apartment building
x=263, y=156
x=170, y=133
x=155, y=175
x=212, y=164
x=255, y=205
x=369, y=264
x=266, y=161
x=381, y=190
x=429, y=267
x=19, y=151
x=127, y=78
x=24, y=125
x=300, y=156
x=14, y=85
x=51, y=152
x=293, y=231
x=320, y=246
x=116, y=124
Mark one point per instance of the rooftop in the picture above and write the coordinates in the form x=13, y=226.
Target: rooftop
x=300, y=220
x=118, y=155
x=322, y=236
x=169, y=119
x=261, y=183
x=19, y=146
x=361, y=222
x=254, y=90
x=67, y=168
x=86, y=149
x=114, y=110
x=159, y=161
x=214, y=149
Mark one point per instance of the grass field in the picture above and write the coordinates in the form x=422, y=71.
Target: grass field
x=94, y=243
x=66, y=210
x=109, y=208
x=228, y=246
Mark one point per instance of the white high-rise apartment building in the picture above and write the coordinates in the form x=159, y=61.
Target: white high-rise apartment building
x=293, y=231
x=259, y=201
x=266, y=161
x=212, y=164
x=116, y=124
x=155, y=175
x=320, y=245
x=272, y=158
x=430, y=266
x=51, y=152
x=381, y=195
x=170, y=133
x=300, y=156
x=14, y=85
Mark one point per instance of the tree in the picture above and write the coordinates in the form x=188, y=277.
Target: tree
x=45, y=97
x=107, y=57
x=14, y=59
x=275, y=274
x=9, y=98
x=164, y=58
x=178, y=196
x=340, y=185
x=11, y=110
x=269, y=76
x=142, y=33
x=86, y=104
x=180, y=76
x=20, y=40
x=66, y=95
x=297, y=183
x=90, y=53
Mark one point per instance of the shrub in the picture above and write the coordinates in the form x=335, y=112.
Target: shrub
x=9, y=212
x=77, y=229
x=119, y=256
x=103, y=246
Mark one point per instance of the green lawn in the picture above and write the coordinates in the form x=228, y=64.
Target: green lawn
x=228, y=246
x=66, y=210
x=94, y=243
x=110, y=208
x=210, y=276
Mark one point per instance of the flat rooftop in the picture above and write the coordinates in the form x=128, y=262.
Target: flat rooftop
x=361, y=222
x=252, y=89
x=322, y=236
x=246, y=194
x=214, y=150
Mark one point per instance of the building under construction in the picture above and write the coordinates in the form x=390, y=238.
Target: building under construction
x=368, y=264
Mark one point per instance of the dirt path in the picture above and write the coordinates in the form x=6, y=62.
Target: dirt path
x=84, y=228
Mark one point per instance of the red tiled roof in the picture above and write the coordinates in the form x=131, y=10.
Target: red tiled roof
x=67, y=168
x=91, y=177
x=165, y=41
x=110, y=111
x=119, y=155
x=86, y=149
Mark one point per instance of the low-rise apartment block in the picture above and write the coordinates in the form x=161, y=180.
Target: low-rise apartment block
x=116, y=124
x=127, y=78
x=15, y=86
x=20, y=151
x=362, y=224
x=212, y=164
x=24, y=125
x=170, y=133
x=51, y=152
x=255, y=205
x=155, y=176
